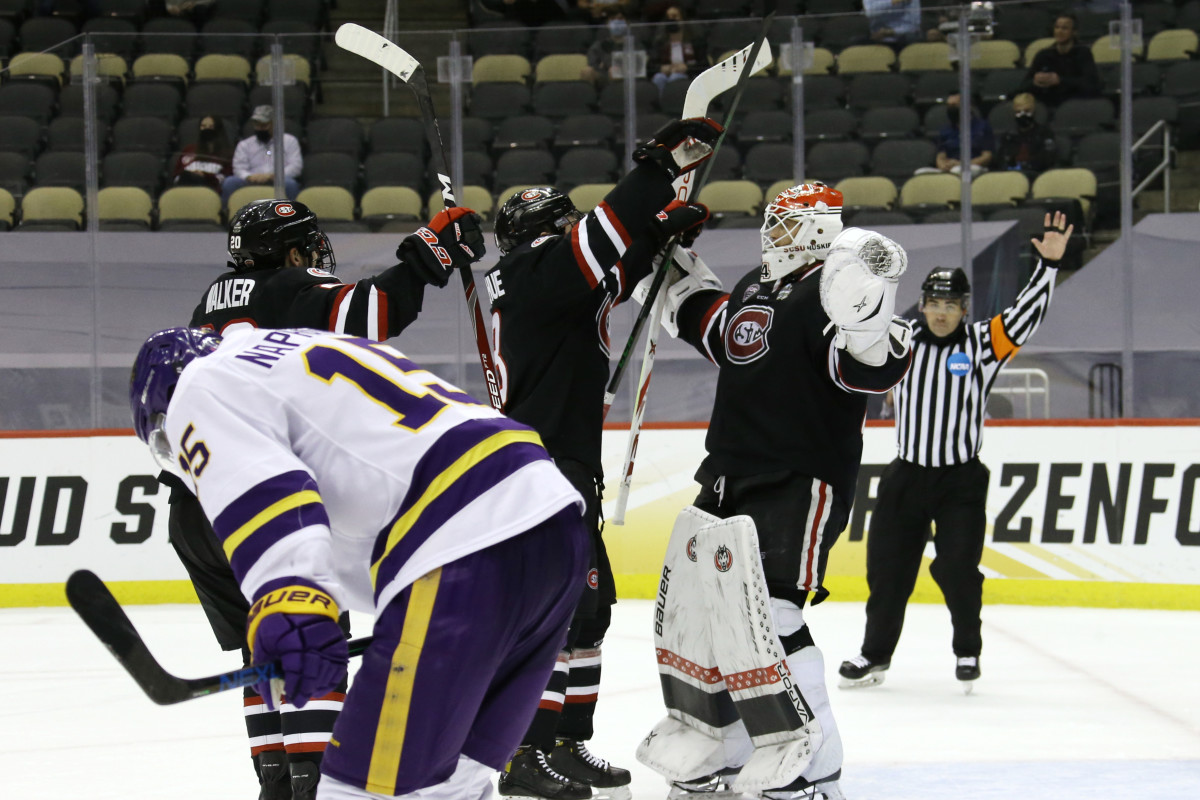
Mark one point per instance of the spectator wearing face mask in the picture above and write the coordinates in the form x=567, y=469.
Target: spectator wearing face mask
x=1029, y=148
x=254, y=158
x=207, y=161
x=600, y=66
x=676, y=55
x=949, y=153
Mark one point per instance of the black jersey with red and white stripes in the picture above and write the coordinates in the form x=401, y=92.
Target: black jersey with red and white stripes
x=550, y=301
x=293, y=297
x=787, y=399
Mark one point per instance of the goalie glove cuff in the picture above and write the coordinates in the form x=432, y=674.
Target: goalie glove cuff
x=873, y=348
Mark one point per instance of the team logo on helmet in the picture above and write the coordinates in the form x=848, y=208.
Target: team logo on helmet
x=691, y=549
x=530, y=194
x=593, y=579
x=958, y=364
x=723, y=559
x=285, y=209
x=746, y=336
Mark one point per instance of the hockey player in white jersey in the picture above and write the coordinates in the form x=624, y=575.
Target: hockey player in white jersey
x=338, y=474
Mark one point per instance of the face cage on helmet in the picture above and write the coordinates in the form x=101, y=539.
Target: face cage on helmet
x=317, y=243
x=800, y=226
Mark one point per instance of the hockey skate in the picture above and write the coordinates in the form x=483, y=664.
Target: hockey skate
x=574, y=761
x=305, y=776
x=529, y=777
x=967, y=671
x=825, y=789
x=861, y=671
x=717, y=786
x=272, y=769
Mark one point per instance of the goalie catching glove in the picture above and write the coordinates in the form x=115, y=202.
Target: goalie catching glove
x=452, y=239
x=858, y=293
x=681, y=145
x=687, y=275
x=295, y=622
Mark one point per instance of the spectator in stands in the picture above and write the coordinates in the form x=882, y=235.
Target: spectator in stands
x=1031, y=147
x=600, y=10
x=1064, y=70
x=254, y=158
x=949, y=153
x=600, y=63
x=208, y=161
x=192, y=9
x=532, y=13
x=675, y=53
x=894, y=22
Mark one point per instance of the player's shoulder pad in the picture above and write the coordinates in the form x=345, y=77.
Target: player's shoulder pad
x=298, y=276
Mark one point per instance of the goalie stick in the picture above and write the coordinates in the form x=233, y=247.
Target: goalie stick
x=731, y=73
x=101, y=612
x=363, y=42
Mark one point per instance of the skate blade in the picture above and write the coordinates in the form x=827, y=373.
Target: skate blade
x=612, y=793
x=871, y=679
x=677, y=793
x=968, y=686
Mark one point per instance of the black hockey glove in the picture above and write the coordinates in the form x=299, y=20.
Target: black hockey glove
x=684, y=219
x=681, y=145
x=452, y=239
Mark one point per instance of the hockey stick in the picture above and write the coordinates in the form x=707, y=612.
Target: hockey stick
x=704, y=87
x=101, y=612
x=758, y=55
x=373, y=47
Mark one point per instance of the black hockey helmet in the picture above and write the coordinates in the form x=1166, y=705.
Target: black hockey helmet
x=262, y=233
x=530, y=213
x=947, y=284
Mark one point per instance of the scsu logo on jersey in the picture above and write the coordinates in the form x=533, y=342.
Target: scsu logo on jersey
x=593, y=579
x=958, y=364
x=723, y=559
x=285, y=209
x=746, y=335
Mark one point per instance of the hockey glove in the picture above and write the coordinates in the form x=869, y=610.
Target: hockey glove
x=684, y=219
x=451, y=240
x=681, y=145
x=295, y=622
x=861, y=303
x=688, y=275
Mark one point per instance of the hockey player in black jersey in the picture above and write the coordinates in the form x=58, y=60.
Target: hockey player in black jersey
x=800, y=342
x=561, y=274
x=281, y=275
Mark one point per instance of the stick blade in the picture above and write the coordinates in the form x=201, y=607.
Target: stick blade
x=101, y=612
x=364, y=42
x=722, y=77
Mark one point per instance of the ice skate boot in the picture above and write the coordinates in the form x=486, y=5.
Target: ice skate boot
x=711, y=787
x=305, y=775
x=861, y=671
x=272, y=769
x=572, y=759
x=967, y=671
x=529, y=777
x=825, y=789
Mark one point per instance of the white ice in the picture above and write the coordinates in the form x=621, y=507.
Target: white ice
x=1073, y=704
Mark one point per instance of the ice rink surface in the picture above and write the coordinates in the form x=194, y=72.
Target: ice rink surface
x=1073, y=704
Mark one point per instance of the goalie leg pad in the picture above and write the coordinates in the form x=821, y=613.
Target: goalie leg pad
x=702, y=731
x=779, y=720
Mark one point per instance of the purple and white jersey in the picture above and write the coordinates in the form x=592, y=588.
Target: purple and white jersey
x=339, y=460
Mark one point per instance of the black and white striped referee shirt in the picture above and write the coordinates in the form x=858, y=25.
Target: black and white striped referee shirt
x=940, y=403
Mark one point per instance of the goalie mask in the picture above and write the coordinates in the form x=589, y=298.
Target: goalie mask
x=155, y=373
x=799, y=225
x=531, y=213
x=262, y=233
x=945, y=283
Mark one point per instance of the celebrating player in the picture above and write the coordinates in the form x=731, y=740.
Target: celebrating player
x=800, y=342
x=938, y=476
x=560, y=275
x=338, y=474
x=282, y=276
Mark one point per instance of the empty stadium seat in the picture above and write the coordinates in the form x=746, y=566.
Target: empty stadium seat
x=124, y=208
x=498, y=100
x=331, y=169
x=189, y=208
x=20, y=135
x=564, y=98
x=474, y=196
x=333, y=205
x=584, y=130
x=875, y=89
x=335, y=135
x=394, y=169
x=765, y=162
x=560, y=67
x=397, y=135
x=583, y=165
x=523, y=131
x=587, y=196
x=169, y=35
x=385, y=204
x=891, y=122
x=832, y=161
x=60, y=169
x=830, y=125
x=923, y=194
x=899, y=158
x=868, y=191
x=865, y=58
x=143, y=170
x=525, y=167
x=730, y=199
x=500, y=68
x=50, y=208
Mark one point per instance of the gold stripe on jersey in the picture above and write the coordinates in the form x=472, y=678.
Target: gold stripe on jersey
x=444, y=481
x=269, y=513
x=393, y=716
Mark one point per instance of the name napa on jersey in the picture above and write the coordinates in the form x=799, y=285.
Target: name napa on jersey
x=227, y=294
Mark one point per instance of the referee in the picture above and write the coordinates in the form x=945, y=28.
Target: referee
x=937, y=476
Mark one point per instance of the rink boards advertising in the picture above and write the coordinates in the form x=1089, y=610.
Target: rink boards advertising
x=1079, y=513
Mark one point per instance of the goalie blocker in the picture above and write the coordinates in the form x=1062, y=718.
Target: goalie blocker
x=743, y=703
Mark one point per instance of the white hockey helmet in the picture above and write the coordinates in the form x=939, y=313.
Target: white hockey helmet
x=799, y=225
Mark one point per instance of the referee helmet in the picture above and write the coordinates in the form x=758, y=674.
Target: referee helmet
x=946, y=284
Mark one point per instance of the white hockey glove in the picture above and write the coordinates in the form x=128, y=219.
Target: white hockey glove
x=688, y=275
x=880, y=255
x=681, y=145
x=860, y=304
